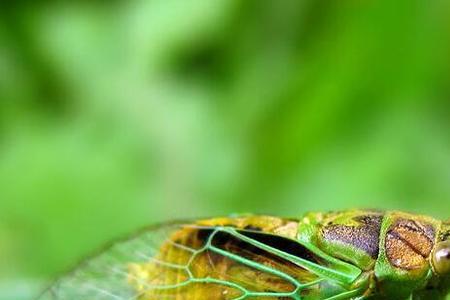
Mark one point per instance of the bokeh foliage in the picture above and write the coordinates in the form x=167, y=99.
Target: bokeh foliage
x=116, y=114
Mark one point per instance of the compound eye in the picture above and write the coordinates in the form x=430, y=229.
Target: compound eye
x=441, y=258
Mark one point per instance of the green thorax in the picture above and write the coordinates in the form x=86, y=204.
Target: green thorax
x=394, y=247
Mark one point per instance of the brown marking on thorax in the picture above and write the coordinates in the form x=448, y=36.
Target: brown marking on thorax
x=409, y=243
x=364, y=236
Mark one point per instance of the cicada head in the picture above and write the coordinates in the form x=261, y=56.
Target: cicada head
x=441, y=254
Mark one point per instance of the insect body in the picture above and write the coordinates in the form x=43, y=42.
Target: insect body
x=321, y=256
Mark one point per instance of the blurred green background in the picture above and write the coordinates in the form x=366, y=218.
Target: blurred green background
x=117, y=114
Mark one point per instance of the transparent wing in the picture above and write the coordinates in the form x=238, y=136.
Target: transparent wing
x=107, y=275
x=190, y=262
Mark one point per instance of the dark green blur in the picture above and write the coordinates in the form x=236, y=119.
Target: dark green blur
x=119, y=114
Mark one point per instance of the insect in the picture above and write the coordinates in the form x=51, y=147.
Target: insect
x=355, y=254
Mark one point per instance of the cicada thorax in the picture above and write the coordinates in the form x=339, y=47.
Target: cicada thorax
x=406, y=244
x=201, y=261
x=361, y=236
x=394, y=246
x=352, y=236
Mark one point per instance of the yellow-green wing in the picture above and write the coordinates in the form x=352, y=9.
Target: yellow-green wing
x=192, y=261
x=106, y=275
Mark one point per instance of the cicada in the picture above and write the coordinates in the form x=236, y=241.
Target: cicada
x=355, y=254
